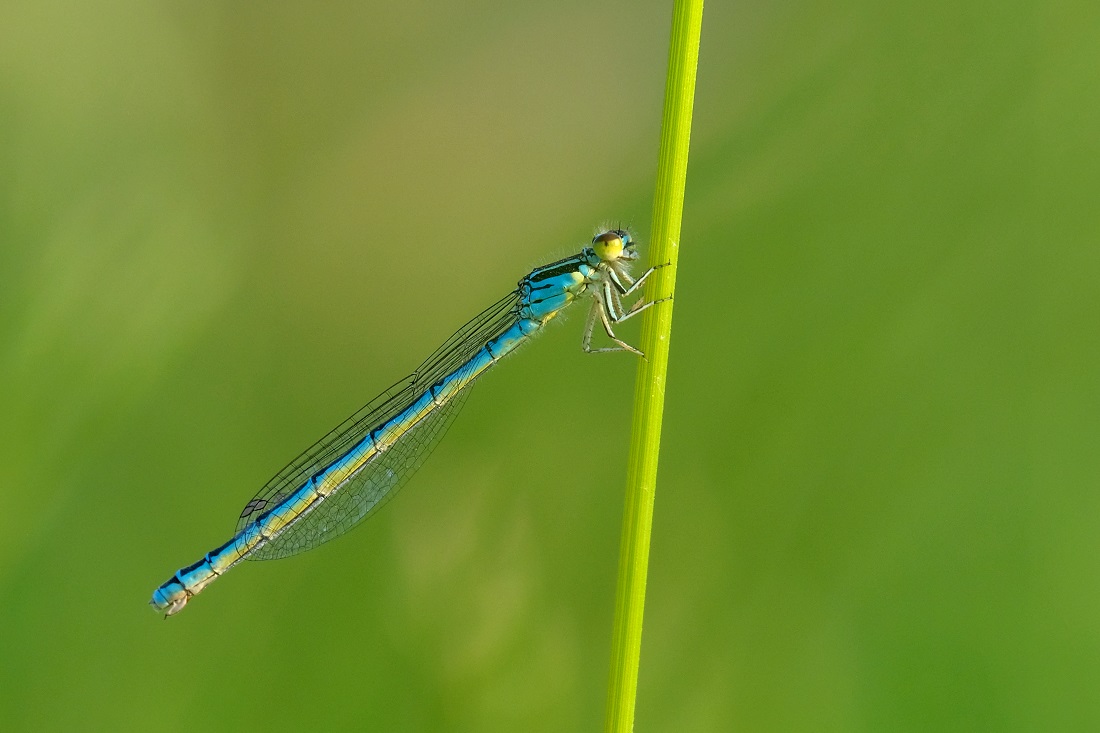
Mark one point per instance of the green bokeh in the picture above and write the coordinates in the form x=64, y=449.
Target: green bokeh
x=223, y=227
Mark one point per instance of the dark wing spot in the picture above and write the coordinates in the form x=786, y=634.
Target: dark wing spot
x=256, y=505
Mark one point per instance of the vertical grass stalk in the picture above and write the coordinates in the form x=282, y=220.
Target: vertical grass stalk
x=649, y=390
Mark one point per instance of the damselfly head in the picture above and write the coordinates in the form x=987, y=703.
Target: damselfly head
x=614, y=244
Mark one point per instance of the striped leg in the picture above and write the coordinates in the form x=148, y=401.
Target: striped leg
x=605, y=309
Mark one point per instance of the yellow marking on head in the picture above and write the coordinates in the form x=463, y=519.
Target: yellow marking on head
x=608, y=246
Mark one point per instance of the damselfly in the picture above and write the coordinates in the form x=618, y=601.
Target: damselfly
x=351, y=472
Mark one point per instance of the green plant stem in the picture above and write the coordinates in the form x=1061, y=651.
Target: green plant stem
x=649, y=390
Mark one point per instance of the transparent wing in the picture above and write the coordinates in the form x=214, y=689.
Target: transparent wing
x=372, y=485
x=368, y=490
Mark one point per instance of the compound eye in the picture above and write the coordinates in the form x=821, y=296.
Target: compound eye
x=609, y=245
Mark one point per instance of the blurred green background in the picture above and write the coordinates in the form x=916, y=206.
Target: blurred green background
x=224, y=227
